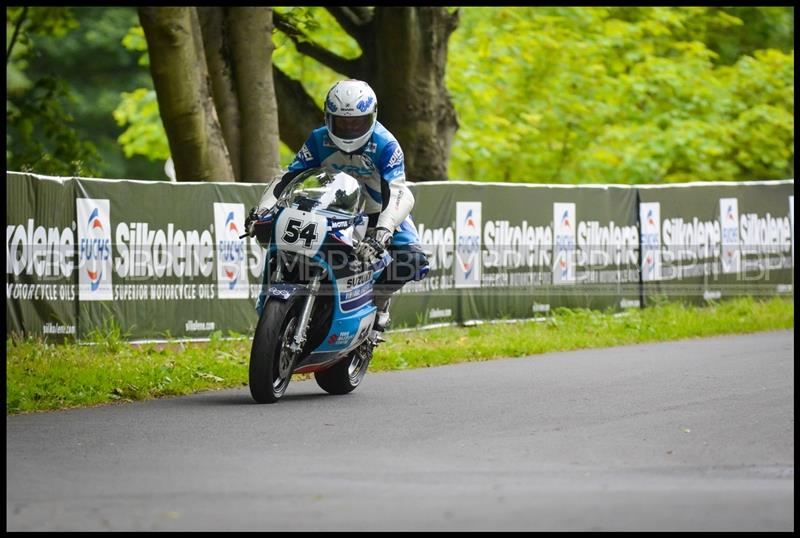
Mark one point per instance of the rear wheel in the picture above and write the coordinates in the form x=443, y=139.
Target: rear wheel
x=346, y=375
x=271, y=360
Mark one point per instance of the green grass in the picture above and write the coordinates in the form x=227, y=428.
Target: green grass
x=43, y=376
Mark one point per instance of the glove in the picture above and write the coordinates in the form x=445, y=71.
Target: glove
x=256, y=215
x=249, y=222
x=370, y=249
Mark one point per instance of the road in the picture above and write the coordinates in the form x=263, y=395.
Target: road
x=686, y=435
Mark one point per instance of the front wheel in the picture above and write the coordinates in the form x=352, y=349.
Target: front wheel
x=271, y=360
x=346, y=375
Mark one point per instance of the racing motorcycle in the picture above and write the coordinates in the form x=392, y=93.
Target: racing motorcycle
x=315, y=307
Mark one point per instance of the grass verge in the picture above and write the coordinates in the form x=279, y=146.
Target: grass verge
x=41, y=376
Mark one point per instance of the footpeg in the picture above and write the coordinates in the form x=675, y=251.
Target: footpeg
x=375, y=337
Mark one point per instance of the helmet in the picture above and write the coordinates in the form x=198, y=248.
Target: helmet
x=351, y=110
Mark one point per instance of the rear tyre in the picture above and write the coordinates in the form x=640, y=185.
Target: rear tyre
x=271, y=360
x=346, y=375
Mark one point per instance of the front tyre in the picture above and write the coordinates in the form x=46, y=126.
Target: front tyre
x=271, y=360
x=346, y=375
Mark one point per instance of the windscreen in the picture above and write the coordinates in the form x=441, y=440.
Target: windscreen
x=324, y=190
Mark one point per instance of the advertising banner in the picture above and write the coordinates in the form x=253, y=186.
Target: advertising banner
x=541, y=247
x=165, y=260
x=706, y=241
x=433, y=299
x=41, y=281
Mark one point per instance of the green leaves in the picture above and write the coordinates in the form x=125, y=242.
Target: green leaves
x=40, y=138
x=629, y=95
x=144, y=134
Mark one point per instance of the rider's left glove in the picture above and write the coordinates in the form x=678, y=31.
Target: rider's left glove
x=370, y=250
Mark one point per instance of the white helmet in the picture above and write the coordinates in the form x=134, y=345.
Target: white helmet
x=351, y=110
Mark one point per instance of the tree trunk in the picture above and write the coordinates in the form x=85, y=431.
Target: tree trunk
x=298, y=113
x=251, y=50
x=215, y=27
x=404, y=58
x=180, y=77
x=413, y=100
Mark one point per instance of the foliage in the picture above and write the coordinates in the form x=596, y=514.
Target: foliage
x=138, y=110
x=144, y=134
x=315, y=77
x=86, y=55
x=39, y=137
x=44, y=376
x=543, y=94
x=627, y=95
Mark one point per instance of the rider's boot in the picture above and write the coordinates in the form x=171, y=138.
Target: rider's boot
x=381, y=318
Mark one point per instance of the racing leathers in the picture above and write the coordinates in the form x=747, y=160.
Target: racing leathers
x=378, y=165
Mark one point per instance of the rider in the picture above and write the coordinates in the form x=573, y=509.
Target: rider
x=354, y=142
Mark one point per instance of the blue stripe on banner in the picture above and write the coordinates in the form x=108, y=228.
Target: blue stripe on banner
x=355, y=303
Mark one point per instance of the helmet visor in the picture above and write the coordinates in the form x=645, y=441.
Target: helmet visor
x=350, y=127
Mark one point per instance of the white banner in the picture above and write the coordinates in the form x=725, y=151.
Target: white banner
x=564, y=225
x=94, y=250
x=468, y=245
x=231, y=272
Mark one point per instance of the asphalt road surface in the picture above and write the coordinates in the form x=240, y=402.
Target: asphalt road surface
x=688, y=435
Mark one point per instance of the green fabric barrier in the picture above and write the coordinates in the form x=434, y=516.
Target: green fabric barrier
x=703, y=242
x=164, y=260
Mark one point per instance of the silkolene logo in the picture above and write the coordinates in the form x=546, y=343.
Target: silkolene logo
x=231, y=259
x=729, y=222
x=468, y=244
x=650, y=217
x=94, y=250
x=564, y=243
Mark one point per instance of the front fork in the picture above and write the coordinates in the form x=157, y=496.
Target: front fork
x=305, y=317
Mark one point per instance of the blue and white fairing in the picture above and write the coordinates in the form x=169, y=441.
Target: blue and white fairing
x=321, y=223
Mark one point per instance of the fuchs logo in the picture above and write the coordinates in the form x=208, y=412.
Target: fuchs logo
x=94, y=250
x=468, y=245
x=231, y=255
x=650, y=217
x=565, y=220
x=729, y=222
x=564, y=243
x=470, y=230
x=650, y=221
x=364, y=104
x=231, y=274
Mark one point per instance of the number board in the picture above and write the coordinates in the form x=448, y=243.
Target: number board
x=300, y=231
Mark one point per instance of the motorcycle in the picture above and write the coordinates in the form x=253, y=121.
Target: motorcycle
x=315, y=309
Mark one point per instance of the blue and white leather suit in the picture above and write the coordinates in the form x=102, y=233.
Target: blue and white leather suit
x=379, y=167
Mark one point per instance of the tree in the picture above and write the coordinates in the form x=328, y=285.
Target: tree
x=622, y=95
x=403, y=56
x=39, y=136
x=577, y=95
x=96, y=84
x=238, y=48
x=215, y=94
x=180, y=76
